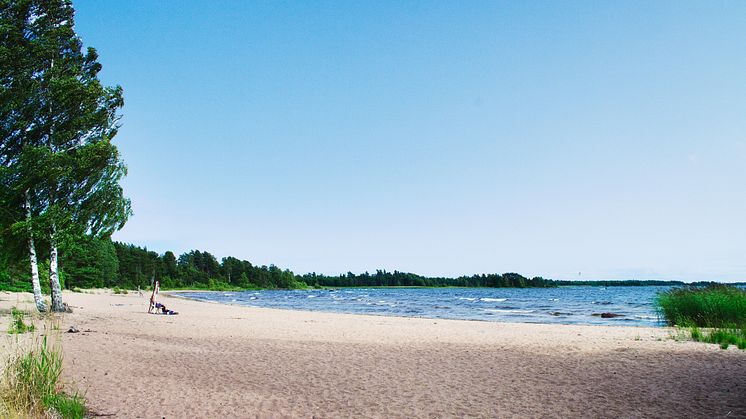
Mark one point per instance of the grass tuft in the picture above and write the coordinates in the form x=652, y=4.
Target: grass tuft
x=31, y=385
x=17, y=323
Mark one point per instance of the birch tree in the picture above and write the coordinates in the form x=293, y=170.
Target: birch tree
x=19, y=105
x=67, y=135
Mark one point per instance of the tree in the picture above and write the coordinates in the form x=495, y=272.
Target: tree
x=18, y=129
x=58, y=146
x=90, y=263
x=169, y=264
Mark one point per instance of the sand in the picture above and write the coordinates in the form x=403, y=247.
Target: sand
x=215, y=360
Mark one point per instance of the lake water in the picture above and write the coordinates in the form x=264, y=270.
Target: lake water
x=568, y=305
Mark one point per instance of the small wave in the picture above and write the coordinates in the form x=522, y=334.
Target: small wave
x=498, y=310
x=493, y=299
x=554, y=299
x=602, y=303
x=467, y=298
x=310, y=296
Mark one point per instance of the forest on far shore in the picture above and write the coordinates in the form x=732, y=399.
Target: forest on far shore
x=98, y=263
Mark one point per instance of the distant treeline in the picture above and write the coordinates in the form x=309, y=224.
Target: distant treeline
x=637, y=283
x=383, y=278
x=618, y=283
x=96, y=263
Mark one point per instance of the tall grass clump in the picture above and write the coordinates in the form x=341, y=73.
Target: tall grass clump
x=719, y=308
x=713, y=306
x=31, y=385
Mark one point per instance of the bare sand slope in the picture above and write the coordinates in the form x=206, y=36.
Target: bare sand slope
x=226, y=361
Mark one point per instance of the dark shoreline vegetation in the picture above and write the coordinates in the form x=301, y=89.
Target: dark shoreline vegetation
x=101, y=263
x=713, y=314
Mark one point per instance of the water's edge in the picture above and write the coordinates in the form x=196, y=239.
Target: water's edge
x=632, y=306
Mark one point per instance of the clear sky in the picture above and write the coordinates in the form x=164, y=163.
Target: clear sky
x=442, y=138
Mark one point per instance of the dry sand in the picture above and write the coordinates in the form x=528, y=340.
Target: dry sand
x=216, y=360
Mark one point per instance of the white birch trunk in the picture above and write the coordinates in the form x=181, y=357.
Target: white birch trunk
x=38, y=297
x=54, y=278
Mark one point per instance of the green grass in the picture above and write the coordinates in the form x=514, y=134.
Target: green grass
x=17, y=323
x=720, y=309
x=714, y=306
x=31, y=385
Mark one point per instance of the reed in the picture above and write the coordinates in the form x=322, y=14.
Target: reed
x=720, y=309
x=720, y=306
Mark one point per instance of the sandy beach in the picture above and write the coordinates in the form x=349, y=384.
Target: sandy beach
x=216, y=360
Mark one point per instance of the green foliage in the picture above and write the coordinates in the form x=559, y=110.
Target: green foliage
x=7, y=283
x=696, y=334
x=384, y=278
x=618, y=283
x=59, y=170
x=72, y=407
x=18, y=324
x=89, y=262
x=724, y=337
x=44, y=278
x=14, y=272
x=720, y=306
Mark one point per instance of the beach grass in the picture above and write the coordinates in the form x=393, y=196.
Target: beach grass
x=714, y=314
x=31, y=385
x=714, y=306
x=18, y=322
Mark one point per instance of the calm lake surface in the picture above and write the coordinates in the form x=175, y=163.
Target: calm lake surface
x=567, y=305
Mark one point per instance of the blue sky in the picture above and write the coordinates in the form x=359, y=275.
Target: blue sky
x=443, y=138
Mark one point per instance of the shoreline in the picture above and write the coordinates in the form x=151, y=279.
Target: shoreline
x=216, y=360
x=614, y=323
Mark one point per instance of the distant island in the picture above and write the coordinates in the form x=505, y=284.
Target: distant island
x=99, y=263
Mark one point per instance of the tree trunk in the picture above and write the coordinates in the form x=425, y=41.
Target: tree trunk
x=54, y=279
x=38, y=298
